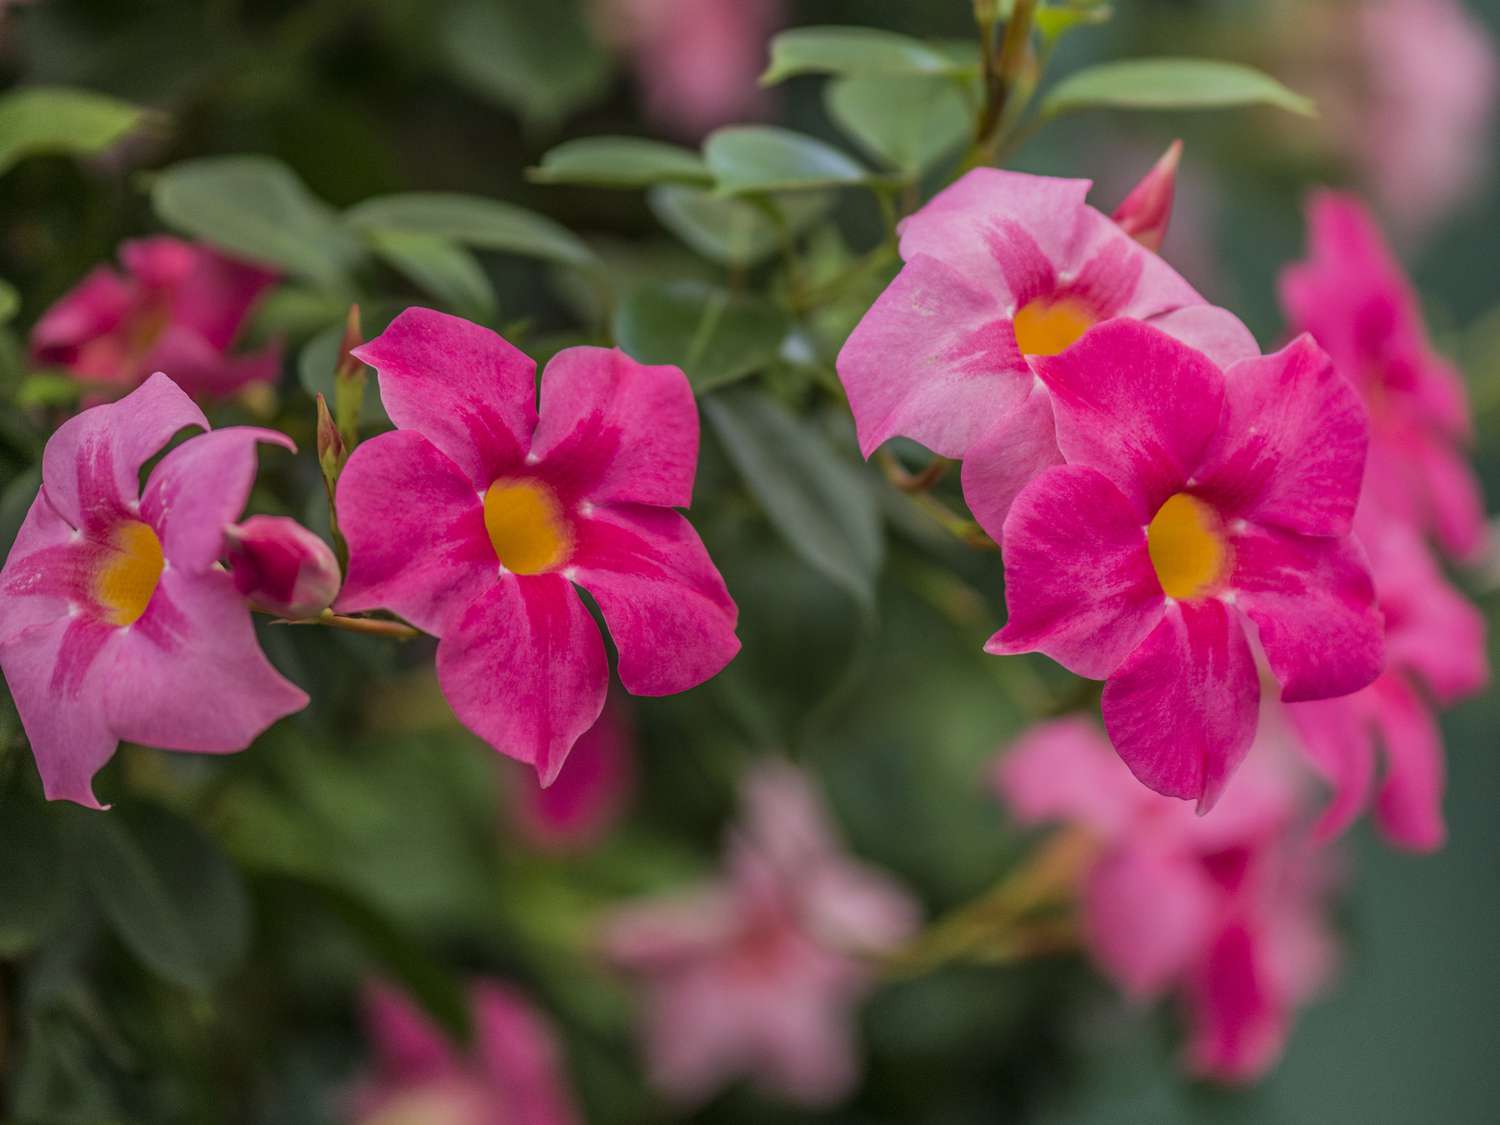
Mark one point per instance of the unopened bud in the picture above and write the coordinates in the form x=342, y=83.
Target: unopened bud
x=330, y=442
x=282, y=568
x=1148, y=208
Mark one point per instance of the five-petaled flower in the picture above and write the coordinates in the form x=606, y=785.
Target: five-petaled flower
x=119, y=623
x=1194, y=503
x=474, y=519
x=1003, y=269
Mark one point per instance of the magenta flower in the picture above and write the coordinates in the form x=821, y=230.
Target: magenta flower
x=758, y=973
x=177, y=308
x=579, y=808
x=476, y=516
x=119, y=624
x=1194, y=503
x=1225, y=911
x=280, y=567
x=1001, y=270
x=1352, y=296
x=1435, y=645
x=512, y=1075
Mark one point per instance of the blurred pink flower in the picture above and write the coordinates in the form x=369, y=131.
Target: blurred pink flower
x=699, y=61
x=117, y=622
x=758, y=973
x=1352, y=295
x=590, y=793
x=280, y=567
x=177, y=308
x=512, y=1075
x=475, y=518
x=1226, y=911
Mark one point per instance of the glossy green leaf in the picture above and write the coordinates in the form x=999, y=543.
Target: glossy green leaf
x=1167, y=83
x=732, y=232
x=862, y=51
x=763, y=158
x=818, y=500
x=448, y=272
x=713, y=336
x=474, y=221
x=31, y=875
x=54, y=119
x=257, y=208
x=909, y=122
x=168, y=891
x=621, y=162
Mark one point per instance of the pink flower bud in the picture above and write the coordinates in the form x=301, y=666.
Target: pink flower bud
x=281, y=567
x=1148, y=208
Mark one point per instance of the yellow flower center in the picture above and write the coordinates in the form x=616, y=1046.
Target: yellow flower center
x=526, y=526
x=1187, y=547
x=1046, y=327
x=131, y=570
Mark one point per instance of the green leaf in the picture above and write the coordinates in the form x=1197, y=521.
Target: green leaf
x=48, y=388
x=256, y=208
x=54, y=119
x=31, y=886
x=763, y=158
x=473, y=221
x=435, y=264
x=862, y=51
x=713, y=336
x=909, y=122
x=816, y=499
x=621, y=162
x=10, y=302
x=731, y=232
x=1170, y=84
x=167, y=890
x=1054, y=22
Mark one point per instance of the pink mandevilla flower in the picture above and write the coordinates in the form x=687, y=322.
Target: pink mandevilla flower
x=1194, y=503
x=282, y=568
x=758, y=973
x=578, y=809
x=1352, y=296
x=512, y=1075
x=1003, y=269
x=177, y=308
x=1227, y=911
x=476, y=516
x=118, y=621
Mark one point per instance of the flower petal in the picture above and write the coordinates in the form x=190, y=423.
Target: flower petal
x=1181, y=710
x=1215, y=332
x=616, y=431
x=197, y=367
x=1431, y=630
x=519, y=1053
x=1136, y=405
x=523, y=667
x=1066, y=770
x=91, y=466
x=1239, y=1024
x=93, y=307
x=934, y=360
x=463, y=387
x=668, y=613
x=1014, y=452
x=1338, y=737
x=211, y=294
x=1291, y=449
x=415, y=528
x=409, y=1048
x=1313, y=602
x=47, y=572
x=1078, y=581
x=1409, y=805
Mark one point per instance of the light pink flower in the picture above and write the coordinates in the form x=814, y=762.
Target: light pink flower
x=1352, y=296
x=1226, y=911
x=280, y=567
x=474, y=519
x=578, y=809
x=119, y=624
x=1145, y=213
x=512, y=1075
x=1003, y=269
x=1195, y=504
x=758, y=973
x=699, y=61
x=1435, y=645
x=177, y=308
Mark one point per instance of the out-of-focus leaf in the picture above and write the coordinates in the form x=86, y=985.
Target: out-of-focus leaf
x=48, y=119
x=621, y=162
x=10, y=302
x=714, y=336
x=731, y=232
x=536, y=58
x=48, y=388
x=1168, y=83
x=1053, y=22
x=816, y=499
x=763, y=158
x=15, y=502
x=909, y=122
x=473, y=221
x=168, y=891
x=315, y=366
x=435, y=264
x=257, y=208
x=860, y=51
x=31, y=875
